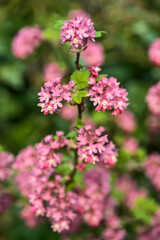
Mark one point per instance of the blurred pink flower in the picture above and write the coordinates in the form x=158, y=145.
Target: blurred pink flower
x=153, y=98
x=69, y=113
x=78, y=13
x=26, y=40
x=94, y=54
x=130, y=144
x=6, y=161
x=154, y=52
x=52, y=71
x=126, y=121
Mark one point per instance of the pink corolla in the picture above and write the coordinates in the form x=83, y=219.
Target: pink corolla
x=47, y=156
x=6, y=161
x=25, y=42
x=52, y=71
x=153, y=99
x=52, y=95
x=78, y=13
x=154, y=52
x=69, y=113
x=92, y=199
x=94, y=54
x=107, y=95
x=29, y=217
x=109, y=155
x=152, y=169
x=91, y=143
x=77, y=32
x=126, y=121
x=130, y=144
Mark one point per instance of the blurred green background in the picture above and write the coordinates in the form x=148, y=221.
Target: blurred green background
x=131, y=26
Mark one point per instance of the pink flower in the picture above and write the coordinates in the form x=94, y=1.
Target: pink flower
x=106, y=95
x=153, y=124
x=6, y=160
x=69, y=113
x=52, y=71
x=153, y=99
x=127, y=121
x=154, y=52
x=28, y=215
x=90, y=144
x=77, y=32
x=25, y=42
x=130, y=144
x=152, y=168
x=52, y=95
x=94, y=54
x=78, y=13
x=109, y=156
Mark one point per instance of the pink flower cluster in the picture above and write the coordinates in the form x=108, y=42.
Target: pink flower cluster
x=77, y=32
x=38, y=181
x=69, y=113
x=91, y=200
x=52, y=95
x=109, y=155
x=25, y=42
x=127, y=185
x=46, y=151
x=29, y=217
x=94, y=54
x=78, y=13
x=52, y=71
x=127, y=121
x=152, y=168
x=154, y=52
x=107, y=94
x=6, y=160
x=153, y=99
x=114, y=230
x=131, y=145
x=90, y=144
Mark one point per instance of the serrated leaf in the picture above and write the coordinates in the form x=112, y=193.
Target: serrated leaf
x=57, y=25
x=99, y=33
x=100, y=77
x=77, y=99
x=81, y=78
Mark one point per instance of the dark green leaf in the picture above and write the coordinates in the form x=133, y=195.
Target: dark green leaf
x=81, y=78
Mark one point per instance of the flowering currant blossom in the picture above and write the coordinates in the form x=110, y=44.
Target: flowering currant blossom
x=29, y=217
x=90, y=144
x=94, y=54
x=6, y=160
x=109, y=156
x=77, y=32
x=52, y=71
x=153, y=99
x=46, y=151
x=130, y=144
x=126, y=121
x=78, y=13
x=154, y=52
x=152, y=168
x=25, y=42
x=52, y=94
x=107, y=95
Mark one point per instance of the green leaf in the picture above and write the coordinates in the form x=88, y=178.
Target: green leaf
x=79, y=123
x=72, y=134
x=63, y=169
x=57, y=25
x=100, y=77
x=78, y=97
x=81, y=78
x=99, y=33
